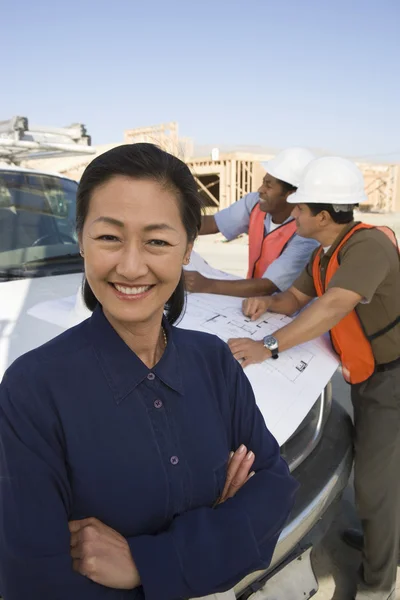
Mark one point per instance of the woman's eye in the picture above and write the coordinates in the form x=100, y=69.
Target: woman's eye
x=158, y=243
x=108, y=238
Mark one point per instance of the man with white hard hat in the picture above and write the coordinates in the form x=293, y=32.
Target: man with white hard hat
x=277, y=255
x=355, y=276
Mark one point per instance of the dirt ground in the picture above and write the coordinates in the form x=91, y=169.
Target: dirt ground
x=334, y=563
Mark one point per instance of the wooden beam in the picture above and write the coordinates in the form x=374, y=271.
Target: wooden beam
x=203, y=187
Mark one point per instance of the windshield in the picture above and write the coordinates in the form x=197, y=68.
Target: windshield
x=37, y=219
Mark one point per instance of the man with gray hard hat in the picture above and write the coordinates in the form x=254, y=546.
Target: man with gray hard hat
x=355, y=276
x=277, y=255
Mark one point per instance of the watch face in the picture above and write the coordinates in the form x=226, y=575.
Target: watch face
x=270, y=342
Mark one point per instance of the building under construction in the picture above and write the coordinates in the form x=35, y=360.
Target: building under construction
x=224, y=178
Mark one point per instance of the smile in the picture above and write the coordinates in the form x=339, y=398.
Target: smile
x=131, y=291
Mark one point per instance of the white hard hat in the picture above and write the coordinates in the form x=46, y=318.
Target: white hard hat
x=330, y=180
x=289, y=164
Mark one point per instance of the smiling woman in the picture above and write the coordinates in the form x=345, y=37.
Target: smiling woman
x=144, y=210
x=134, y=462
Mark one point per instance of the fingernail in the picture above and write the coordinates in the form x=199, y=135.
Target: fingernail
x=249, y=456
x=231, y=454
x=251, y=474
x=242, y=449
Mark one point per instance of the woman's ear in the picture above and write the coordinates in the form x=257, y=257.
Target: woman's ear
x=80, y=242
x=189, y=249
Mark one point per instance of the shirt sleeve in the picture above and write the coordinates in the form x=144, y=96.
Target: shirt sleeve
x=358, y=274
x=35, y=560
x=208, y=550
x=288, y=266
x=234, y=220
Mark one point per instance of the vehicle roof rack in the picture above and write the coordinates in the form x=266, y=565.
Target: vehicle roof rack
x=19, y=141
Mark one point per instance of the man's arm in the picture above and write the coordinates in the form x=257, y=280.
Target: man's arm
x=362, y=269
x=286, y=303
x=233, y=220
x=317, y=319
x=279, y=275
x=208, y=225
x=242, y=288
x=356, y=280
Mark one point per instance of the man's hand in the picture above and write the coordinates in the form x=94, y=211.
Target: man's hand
x=197, y=283
x=248, y=351
x=102, y=555
x=256, y=307
x=238, y=473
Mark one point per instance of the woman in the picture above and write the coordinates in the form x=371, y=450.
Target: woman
x=116, y=435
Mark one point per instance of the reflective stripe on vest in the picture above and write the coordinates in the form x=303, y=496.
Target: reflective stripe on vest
x=348, y=337
x=264, y=249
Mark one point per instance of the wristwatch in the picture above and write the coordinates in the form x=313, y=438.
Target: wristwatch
x=271, y=344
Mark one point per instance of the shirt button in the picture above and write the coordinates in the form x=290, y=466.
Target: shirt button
x=174, y=460
x=158, y=403
x=151, y=376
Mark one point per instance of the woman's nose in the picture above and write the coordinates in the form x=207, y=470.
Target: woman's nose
x=132, y=263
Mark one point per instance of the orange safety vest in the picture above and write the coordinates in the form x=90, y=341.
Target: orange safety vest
x=265, y=248
x=349, y=339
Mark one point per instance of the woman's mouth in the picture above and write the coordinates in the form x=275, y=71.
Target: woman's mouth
x=131, y=292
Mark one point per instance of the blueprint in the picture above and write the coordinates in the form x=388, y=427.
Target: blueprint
x=229, y=322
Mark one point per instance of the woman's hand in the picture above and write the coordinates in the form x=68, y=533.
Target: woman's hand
x=238, y=473
x=256, y=307
x=102, y=555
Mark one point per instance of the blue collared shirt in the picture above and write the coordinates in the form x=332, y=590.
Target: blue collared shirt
x=87, y=430
x=234, y=220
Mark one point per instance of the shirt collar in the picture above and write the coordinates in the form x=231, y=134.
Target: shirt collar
x=123, y=369
x=339, y=238
x=268, y=219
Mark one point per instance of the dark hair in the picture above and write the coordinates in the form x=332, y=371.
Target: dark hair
x=288, y=188
x=340, y=217
x=143, y=161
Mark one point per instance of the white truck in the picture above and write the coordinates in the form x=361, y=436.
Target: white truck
x=40, y=261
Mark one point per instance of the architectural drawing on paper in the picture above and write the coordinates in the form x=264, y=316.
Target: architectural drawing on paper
x=229, y=322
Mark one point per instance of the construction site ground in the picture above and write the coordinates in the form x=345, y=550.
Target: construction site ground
x=334, y=563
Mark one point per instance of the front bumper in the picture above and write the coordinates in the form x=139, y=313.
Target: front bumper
x=322, y=476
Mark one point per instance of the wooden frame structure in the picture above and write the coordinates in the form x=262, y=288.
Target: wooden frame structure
x=225, y=180
x=382, y=185
x=164, y=135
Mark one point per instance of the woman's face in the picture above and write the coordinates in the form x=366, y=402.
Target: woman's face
x=134, y=244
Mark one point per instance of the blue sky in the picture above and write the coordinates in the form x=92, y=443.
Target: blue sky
x=271, y=73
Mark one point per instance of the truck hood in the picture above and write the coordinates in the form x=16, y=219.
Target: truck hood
x=21, y=331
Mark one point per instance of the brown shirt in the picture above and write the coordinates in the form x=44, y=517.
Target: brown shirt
x=369, y=266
